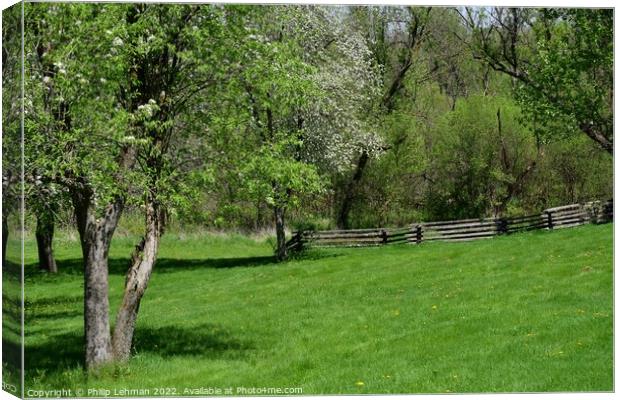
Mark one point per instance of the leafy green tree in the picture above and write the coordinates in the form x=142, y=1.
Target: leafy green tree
x=482, y=156
x=11, y=124
x=173, y=54
x=303, y=87
x=560, y=61
x=279, y=89
x=569, y=80
x=73, y=76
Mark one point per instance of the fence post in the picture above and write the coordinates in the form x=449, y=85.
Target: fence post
x=549, y=219
x=300, y=244
x=608, y=211
x=418, y=234
x=502, y=226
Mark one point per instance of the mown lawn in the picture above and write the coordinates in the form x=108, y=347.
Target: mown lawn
x=528, y=312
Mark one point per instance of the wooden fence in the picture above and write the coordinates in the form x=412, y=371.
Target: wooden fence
x=462, y=230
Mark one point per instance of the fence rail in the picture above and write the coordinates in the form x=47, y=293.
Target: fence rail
x=571, y=215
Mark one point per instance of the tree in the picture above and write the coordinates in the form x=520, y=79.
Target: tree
x=396, y=36
x=45, y=211
x=570, y=78
x=278, y=87
x=115, y=107
x=561, y=63
x=85, y=146
x=172, y=53
x=45, y=112
x=483, y=156
x=11, y=121
x=307, y=85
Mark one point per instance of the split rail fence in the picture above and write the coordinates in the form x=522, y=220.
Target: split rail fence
x=596, y=212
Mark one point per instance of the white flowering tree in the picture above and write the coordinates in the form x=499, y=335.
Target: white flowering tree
x=304, y=84
x=395, y=36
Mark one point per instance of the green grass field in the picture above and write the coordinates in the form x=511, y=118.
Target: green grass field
x=528, y=312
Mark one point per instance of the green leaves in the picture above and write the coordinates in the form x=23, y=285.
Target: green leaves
x=477, y=163
x=570, y=76
x=279, y=180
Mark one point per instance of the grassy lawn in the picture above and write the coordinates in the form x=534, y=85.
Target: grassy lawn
x=528, y=312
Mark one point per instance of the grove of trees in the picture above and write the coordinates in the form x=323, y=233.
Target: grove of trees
x=241, y=117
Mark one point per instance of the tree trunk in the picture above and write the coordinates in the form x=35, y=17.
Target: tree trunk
x=598, y=136
x=95, y=238
x=137, y=279
x=5, y=235
x=96, y=304
x=281, y=253
x=45, y=234
x=342, y=220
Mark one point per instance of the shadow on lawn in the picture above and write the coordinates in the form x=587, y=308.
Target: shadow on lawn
x=118, y=266
x=67, y=350
x=58, y=307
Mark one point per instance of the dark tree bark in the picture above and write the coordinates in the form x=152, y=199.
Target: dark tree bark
x=96, y=230
x=597, y=135
x=141, y=266
x=281, y=253
x=416, y=31
x=45, y=234
x=95, y=238
x=7, y=178
x=5, y=236
x=342, y=220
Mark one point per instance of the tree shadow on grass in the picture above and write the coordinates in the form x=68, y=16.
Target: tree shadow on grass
x=52, y=308
x=11, y=270
x=118, y=266
x=205, y=340
x=66, y=350
x=11, y=353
